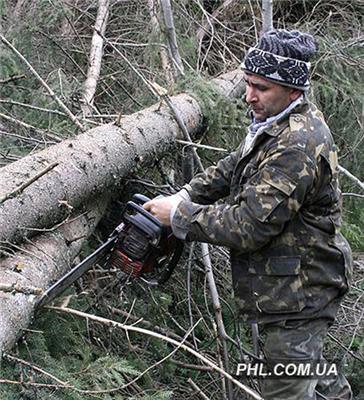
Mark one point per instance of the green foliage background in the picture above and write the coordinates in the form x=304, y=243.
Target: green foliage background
x=55, y=37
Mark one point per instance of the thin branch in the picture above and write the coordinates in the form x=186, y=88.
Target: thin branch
x=351, y=176
x=202, y=30
x=354, y=195
x=163, y=50
x=191, y=366
x=183, y=129
x=332, y=337
x=47, y=110
x=140, y=75
x=12, y=79
x=188, y=288
x=35, y=384
x=127, y=328
x=16, y=288
x=201, y=146
x=197, y=389
x=25, y=138
x=254, y=20
x=28, y=364
x=217, y=308
x=24, y=185
x=63, y=51
x=44, y=84
x=200, y=42
x=217, y=38
x=144, y=322
x=28, y=126
x=161, y=361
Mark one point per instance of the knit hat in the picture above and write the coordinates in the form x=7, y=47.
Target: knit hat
x=283, y=57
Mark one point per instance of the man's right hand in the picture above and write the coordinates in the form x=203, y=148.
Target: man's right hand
x=161, y=207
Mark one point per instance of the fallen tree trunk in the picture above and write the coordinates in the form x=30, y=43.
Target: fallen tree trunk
x=31, y=269
x=92, y=163
x=40, y=190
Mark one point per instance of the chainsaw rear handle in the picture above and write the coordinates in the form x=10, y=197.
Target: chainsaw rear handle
x=166, y=274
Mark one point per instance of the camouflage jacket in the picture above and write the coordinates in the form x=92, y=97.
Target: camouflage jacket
x=280, y=218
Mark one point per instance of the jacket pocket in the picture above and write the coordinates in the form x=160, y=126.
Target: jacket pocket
x=267, y=190
x=277, y=286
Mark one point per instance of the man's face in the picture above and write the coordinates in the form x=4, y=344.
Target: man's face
x=267, y=98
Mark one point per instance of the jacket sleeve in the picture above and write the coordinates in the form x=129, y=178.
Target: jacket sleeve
x=270, y=198
x=214, y=183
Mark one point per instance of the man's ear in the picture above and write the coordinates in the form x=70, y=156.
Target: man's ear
x=294, y=94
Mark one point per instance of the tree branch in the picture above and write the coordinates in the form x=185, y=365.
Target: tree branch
x=28, y=182
x=166, y=64
x=171, y=35
x=44, y=84
x=352, y=177
x=128, y=328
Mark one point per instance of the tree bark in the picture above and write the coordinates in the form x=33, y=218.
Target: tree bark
x=35, y=265
x=93, y=163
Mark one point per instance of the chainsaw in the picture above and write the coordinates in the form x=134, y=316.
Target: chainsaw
x=139, y=247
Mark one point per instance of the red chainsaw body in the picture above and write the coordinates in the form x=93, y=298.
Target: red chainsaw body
x=144, y=246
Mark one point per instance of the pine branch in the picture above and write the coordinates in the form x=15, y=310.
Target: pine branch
x=44, y=84
x=179, y=345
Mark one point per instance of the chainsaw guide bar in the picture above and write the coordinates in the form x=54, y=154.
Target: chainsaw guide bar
x=139, y=247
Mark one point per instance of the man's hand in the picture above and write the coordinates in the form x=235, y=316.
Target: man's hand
x=161, y=208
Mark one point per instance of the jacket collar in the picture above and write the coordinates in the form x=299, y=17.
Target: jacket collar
x=275, y=128
x=274, y=125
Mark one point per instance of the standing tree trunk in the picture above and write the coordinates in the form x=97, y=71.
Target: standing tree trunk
x=171, y=35
x=267, y=15
x=156, y=30
x=96, y=53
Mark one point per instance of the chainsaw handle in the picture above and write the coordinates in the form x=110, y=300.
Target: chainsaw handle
x=172, y=263
x=140, y=198
x=144, y=212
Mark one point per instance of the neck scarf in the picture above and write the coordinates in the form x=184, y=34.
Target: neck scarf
x=256, y=128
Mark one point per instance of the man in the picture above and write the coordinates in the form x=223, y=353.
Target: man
x=281, y=216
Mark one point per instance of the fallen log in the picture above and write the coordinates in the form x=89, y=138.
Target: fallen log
x=93, y=163
x=34, y=265
x=41, y=190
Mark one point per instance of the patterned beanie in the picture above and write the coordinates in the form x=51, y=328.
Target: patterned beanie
x=283, y=57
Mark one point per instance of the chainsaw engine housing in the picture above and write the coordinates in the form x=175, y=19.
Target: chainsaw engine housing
x=144, y=247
